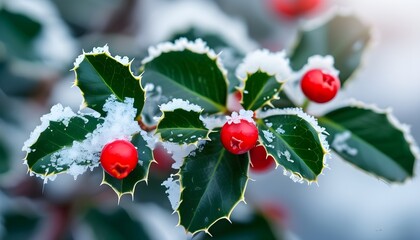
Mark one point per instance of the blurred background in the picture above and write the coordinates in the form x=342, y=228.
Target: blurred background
x=39, y=40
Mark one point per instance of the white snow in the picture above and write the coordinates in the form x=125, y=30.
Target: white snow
x=295, y=177
x=58, y=113
x=179, y=152
x=180, y=16
x=276, y=64
x=124, y=60
x=243, y=115
x=280, y=130
x=173, y=189
x=81, y=156
x=324, y=63
x=212, y=122
x=269, y=136
x=55, y=44
x=339, y=143
x=177, y=103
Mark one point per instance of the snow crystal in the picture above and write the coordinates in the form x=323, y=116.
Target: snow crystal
x=295, y=177
x=269, y=136
x=179, y=152
x=325, y=64
x=119, y=123
x=286, y=154
x=173, y=189
x=280, y=130
x=243, y=114
x=300, y=113
x=123, y=60
x=58, y=114
x=99, y=50
x=177, y=103
x=212, y=122
x=272, y=63
x=339, y=143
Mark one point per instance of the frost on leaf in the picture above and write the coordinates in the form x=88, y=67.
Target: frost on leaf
x=75, y=154
x=275, y=64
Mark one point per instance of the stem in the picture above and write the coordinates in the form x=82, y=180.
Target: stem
x=305, y=104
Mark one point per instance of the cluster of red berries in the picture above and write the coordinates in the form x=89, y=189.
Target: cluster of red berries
x=119, y=157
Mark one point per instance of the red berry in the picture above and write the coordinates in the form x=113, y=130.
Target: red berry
x=119, y=158
x=240, y=137
x=318, y=86
x=260, y=161
x=294, y=8
x=163, y=158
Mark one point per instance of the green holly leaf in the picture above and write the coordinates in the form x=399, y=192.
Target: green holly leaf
x=99, y=75
x=373, y=140
x=54, y=135
x=260, y=88
x=295, y=141
x=253, y=227
x=230, y=55
x=18, y=34
x=186, y=70
x=180, y=125
x=140, y=173
x=343, y=37
x=116, y=224
x=213, y=182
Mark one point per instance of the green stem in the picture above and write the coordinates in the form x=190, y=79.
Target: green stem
x=305, y=104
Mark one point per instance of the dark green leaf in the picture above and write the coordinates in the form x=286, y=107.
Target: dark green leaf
x=140, y=173
x=181, y=126
x=100, y=75
x=367, y=138
x=253, y=227
x=343, y=37
x=230, y=55
x=260, y=89
x=213, y=182
x=18, y=34
x=116, y=224
x=56, y=137
x=193, y=76
x=19, y=226
x=294, y=141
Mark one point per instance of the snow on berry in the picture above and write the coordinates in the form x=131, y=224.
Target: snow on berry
x=239, y=134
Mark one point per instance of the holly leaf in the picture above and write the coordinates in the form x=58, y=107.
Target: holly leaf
x=182, y=126
x=107, y=225
x=18, y=34
x=295, y=141
x=213, y=182
x=230, y=55
x=343, y=37
x=140, y=173
x=373, y=140
x=260, y=88
x=58, y=135
x=99, y=75
x=254, y=227
x=187, y=70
